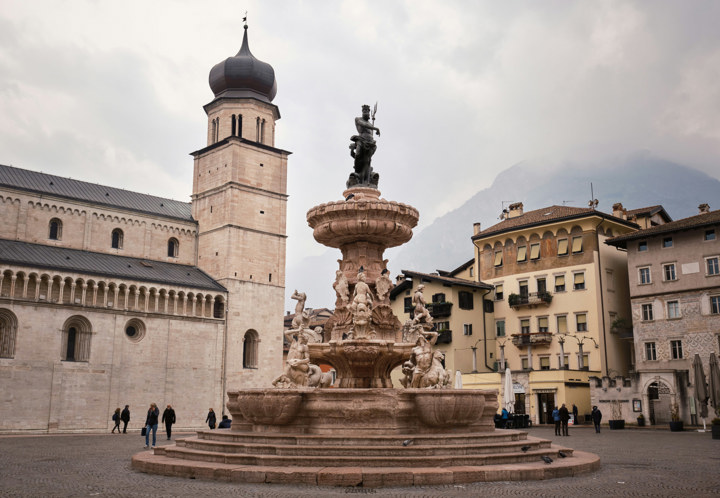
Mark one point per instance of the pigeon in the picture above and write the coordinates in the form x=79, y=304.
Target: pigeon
x=546, y=459
x=561, y=454
x=407, y=442
x=349, y=197
x=525, y=448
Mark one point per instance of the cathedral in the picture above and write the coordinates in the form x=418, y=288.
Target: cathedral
x=111, y=298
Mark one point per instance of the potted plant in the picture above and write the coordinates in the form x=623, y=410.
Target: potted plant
x=514, y=299
x=676, y=425
x=545, y=296
x=616, y=422
x=715, y=428
x=641, y=420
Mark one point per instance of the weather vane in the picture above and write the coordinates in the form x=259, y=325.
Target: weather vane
x=245, y=18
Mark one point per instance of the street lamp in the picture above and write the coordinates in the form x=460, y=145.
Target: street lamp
x=580, y=341
x=474, y=354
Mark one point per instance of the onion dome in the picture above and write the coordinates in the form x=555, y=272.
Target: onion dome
x=243, y=76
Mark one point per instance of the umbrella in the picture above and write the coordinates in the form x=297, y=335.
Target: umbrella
x=714, y=383
x=458, y=379
x=508, y=396
x=701, y=393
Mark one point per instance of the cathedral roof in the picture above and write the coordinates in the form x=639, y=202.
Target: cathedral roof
x=105, y=265
x=67, y=188
x=243, y=76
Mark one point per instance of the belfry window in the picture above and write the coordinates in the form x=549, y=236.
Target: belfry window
x=117, y=239
x=55, y=229
x=233, y=123
x=173, y=248
x=251, y=342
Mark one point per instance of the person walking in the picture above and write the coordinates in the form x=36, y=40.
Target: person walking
x=556, y=418
x=564, y=417
x=211, y=419
x=116, y=419
x=596, y=418
x=125, y=417
x=575, y=414
x=169, y=419
x=151, y=423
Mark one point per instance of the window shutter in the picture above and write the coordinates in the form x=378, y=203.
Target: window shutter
x=535, y=251
x=562, y=247
x=522, y=253
x=577, y=244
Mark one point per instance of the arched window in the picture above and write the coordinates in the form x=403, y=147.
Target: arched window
x=117, y=239
x=173, y=248
x=257, y=129
x=234, y=130
x=55, y=229
x=77, y=333
x=251, y=342
x=239, y=125
x=8, y=331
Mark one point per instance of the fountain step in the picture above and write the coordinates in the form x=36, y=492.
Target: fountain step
x=533, y=469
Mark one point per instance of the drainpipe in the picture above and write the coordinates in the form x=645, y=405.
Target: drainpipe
x=602, y=299
x=484, y=337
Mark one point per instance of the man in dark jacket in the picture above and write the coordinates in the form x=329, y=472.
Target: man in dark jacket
x=151, y=423
x=125, y=417
x=564, y=417
x=596, y=418
x=169, y=419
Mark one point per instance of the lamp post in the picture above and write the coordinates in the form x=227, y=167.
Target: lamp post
x=474, y=354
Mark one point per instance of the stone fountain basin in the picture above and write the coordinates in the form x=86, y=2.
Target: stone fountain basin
x=380, y=411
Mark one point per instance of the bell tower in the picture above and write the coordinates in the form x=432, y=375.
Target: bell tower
x=239, y=200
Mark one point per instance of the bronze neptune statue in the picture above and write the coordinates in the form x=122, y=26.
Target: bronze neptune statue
x=362, y=148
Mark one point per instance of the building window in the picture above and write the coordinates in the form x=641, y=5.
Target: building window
x=667, y=242
x=669, y=272
x=642, y=246
x=499, y=292
x=581, y=322
x=8, y=333
x=562, y=324
x=577, y=245
x=472, y=272
x=585, y=362
x=710, y=234
x=407, y=305
x=55, y=229
x=522, y=254
x=650, y=352
x=562, y=247
x=647, y=312
x=117, y=239
x=644, y=276
x=251, y=342
x=560, y=283
x=715, y=305
x=498, y=258
x=535, y=251
x=544, y=363
x=579, y=281
x=525, y=363
x=543, y=324
x=218, y=309
x=76, y=337
x=173, y=248
x=673, y=308
x=467, y=329
x=541, y=286
x=523, y=286
x=525, y=326
x=466, y=300
x=500, y=328
x=438, y=298
x=713, y=266
x=135, y=330
x=676, y=350
x=441, y=326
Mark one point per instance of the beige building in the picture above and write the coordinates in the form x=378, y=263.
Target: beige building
x=558, y=289
x=110, y=297
x=460, y=315
x=674, y=274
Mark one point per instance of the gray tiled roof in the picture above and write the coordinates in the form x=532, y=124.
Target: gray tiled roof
x=105, y=265
x=698, y=221
x=67, y=188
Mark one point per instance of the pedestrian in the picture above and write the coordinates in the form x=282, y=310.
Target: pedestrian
x=575, y=414
x=505, y=417
x=556, y=418
x=225, y=423
x=564, y=417
x=125, y=417
x=596, y=418
x=116, y=419
x=151, y=423
x=211, y=419
x=169, y=419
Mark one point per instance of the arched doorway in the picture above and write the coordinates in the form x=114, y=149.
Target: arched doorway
x=660, y=398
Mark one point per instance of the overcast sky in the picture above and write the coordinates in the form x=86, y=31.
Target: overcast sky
x=112, y=92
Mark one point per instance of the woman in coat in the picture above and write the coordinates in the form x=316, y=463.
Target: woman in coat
x=211, y=419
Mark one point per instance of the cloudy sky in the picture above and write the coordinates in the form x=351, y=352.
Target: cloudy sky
x=112, y=92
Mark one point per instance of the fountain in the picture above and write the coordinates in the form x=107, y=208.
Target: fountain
x=364, y=431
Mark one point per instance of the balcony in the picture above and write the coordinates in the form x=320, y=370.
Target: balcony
x=444, y=337
x=440, y=310
x=534, y=339
x=531, y=300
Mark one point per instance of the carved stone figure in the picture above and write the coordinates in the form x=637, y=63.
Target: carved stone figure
x=422, y=315
x=383, y=286
x=362, y=294
x=296, y=368
x=300, y=297
x=318, y=378
x=341, y=289
x=362, y=148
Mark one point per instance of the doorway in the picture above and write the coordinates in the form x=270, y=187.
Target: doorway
x=546, y=403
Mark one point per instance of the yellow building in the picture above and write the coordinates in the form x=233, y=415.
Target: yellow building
x=461, y=312
x=558, y=289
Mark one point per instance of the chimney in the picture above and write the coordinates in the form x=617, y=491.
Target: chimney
x=515, y=210
x=619, y=211
x=704, y=208
x=476, y=228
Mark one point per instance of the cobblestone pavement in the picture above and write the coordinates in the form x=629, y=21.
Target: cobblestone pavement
x=635, y=462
